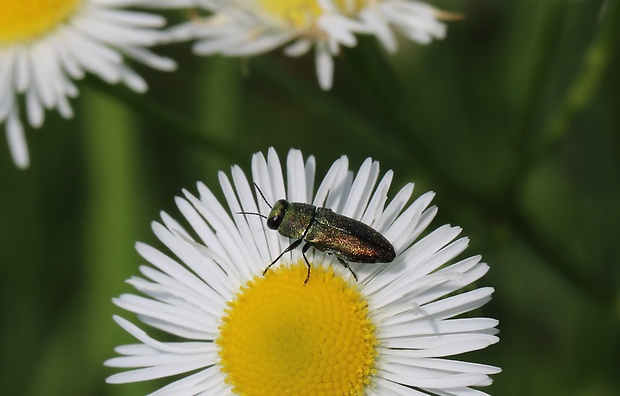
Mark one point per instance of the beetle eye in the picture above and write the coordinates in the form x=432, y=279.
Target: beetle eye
x=277, y=214
x=273, y=222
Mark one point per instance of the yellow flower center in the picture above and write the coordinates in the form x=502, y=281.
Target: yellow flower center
x=24, y=20
x=303, y=13
x=279, y=337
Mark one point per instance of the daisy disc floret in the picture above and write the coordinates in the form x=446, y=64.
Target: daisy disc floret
x=237, y=331
x=46, y=44
x=247, y=28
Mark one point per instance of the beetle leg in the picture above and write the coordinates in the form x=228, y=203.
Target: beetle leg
x=346, y=265
x=288, y=249
x=303, y=253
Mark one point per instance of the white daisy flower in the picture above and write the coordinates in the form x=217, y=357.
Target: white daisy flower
x=250, y=27
x=237, y=331
x=44, y=45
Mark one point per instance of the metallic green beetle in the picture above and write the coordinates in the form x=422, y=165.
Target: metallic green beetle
x=346, y=238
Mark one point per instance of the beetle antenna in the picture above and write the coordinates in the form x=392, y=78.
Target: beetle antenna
x=261, y=194
x=253, y=213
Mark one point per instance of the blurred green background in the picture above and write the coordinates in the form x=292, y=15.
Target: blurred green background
x=513, y=120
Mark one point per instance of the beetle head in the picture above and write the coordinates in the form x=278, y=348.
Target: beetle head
x=277, y=214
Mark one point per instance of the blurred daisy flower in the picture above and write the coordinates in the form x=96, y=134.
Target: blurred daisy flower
x=45, y=45
x=250, y=27
x=238, y=332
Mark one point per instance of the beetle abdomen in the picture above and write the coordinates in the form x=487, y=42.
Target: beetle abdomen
x=348, y=238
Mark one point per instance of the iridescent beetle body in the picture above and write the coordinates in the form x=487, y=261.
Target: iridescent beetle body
x=348, y=239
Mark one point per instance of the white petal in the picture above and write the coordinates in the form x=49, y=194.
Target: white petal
x=150, y=373
x=298, y=48
x=437, y=346
x=407, y=376
x=22, y=70
x=388, y=387
x=34, y=109
x=296, y=177
x=380, y=28
x=112, y=17
x=258, y=45
x=181, y=317
x=17, y=141
x=339, y=29
x=456, y=305
x=209, y=381
x=132, y=79
x=361, y=189
x=177, y=271
x=152, y=346
x=150, y=59
x=324, y=66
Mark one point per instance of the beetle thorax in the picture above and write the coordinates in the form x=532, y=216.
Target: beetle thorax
x=298, y=217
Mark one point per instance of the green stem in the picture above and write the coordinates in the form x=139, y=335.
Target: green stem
x=111, y=159
x=587, y=80
x=577, y=97
x=547, y=27
x=113, y=221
